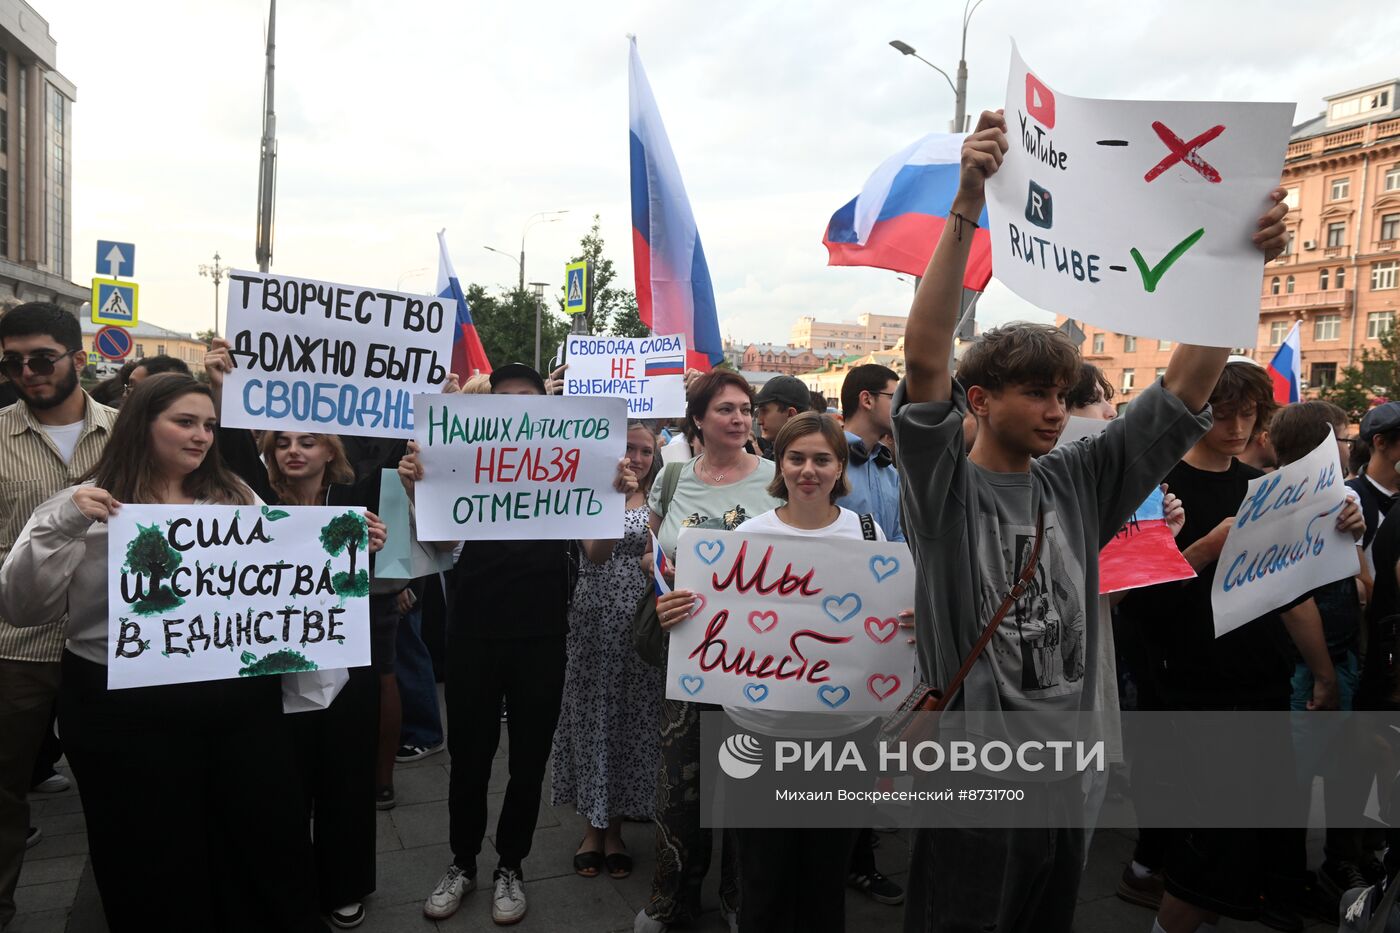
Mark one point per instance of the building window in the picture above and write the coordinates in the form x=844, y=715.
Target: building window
x=1383, y=275
x=1273, y=286
x=1164, y=345
x=140, y=350
x=1379, y=323
x=1129, y=346
x=1287, y=245
x=1341, y=277
x=1277, y=331
x=1322, y=280
x=1327, y=327
x=4, y=130
x=1127, y=380
x=1290, y=197
x=1341, y=187
x=4, y=72
x=4, y=207
x=1288, y=285
x=1098, y=343
x=1336, y=234
x=1377, y=372
x=1323, y=375
x=1390, y=227
x=1392, y=179
x=1161, y=371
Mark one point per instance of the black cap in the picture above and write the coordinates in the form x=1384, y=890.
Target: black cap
x=1380, y=420
x=787, y=391
x=517, y=371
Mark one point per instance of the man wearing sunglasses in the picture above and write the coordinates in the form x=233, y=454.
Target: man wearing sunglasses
x=49, y=438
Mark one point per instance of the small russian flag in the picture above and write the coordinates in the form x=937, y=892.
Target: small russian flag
x=1286, y=369
x=659, y=567
x=666, y=366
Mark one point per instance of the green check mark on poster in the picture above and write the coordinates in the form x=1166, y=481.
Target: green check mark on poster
x=1150, y=277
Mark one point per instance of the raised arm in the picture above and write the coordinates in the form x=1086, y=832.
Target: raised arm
x=928, y=337
x=1192, y=372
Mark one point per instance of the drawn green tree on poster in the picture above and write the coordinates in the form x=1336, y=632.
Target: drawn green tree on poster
x=282, y=661
x=347, y=532
x=149, y=555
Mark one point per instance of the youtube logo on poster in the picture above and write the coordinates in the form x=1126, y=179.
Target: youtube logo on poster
x=1040, y=102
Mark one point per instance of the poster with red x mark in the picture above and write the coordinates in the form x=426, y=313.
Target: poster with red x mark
x=1136, y=216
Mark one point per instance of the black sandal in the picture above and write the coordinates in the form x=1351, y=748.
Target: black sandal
x=619, y=865
x=588, y=864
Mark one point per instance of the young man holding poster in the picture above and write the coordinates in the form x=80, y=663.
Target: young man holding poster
x=966, y=514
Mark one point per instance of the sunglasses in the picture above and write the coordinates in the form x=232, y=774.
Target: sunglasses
x=13, y=366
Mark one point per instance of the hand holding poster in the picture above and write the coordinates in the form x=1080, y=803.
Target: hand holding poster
x=1284, y=541
x=792, y=623
x=214, y=592
x=647, y=371
x=512, y=467
x=1136, y=215
x=314, y=356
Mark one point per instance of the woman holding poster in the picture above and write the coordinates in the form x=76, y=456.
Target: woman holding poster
x=193, y=817
x=794, y=879
x=605, y=746
x=722, y=488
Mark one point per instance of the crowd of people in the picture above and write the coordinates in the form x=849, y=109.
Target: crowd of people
x=266, y=821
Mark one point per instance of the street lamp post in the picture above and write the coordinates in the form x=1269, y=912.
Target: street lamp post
x=959, y=89
x=546, y=217
x=217, y=273
x=539, y=288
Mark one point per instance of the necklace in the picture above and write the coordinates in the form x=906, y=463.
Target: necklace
x=717, y=477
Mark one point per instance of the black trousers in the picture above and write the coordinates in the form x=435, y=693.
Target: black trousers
x=336, y=750
x=190, y=796
x=528, y=673
x=793, y=880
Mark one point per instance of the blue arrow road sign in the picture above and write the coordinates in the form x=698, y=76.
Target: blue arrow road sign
x=116, y=260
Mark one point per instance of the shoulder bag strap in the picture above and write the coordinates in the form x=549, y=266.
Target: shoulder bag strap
x=867, y=527
x=670, y=477
x=985, y=638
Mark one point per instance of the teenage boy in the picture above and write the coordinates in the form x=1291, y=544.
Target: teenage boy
x=780, y=398
x=865, y=408
x=970, y=517
x=48, y=439
x=1211, y=872
x=1378, y=483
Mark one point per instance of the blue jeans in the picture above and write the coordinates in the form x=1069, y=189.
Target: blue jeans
x=1348, y=676
x=422, y=721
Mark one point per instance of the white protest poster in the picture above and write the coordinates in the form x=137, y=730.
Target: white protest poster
x=339, y=359
x=1284, y=541
x=213, y=592
x=511, y=467
x=647, y=371
x=1136, y=216
x=792, y=623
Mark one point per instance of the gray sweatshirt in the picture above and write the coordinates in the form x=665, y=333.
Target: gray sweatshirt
x=1041, y=658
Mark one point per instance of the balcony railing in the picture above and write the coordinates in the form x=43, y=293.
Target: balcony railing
x=1367, y=133
x=1332, y=298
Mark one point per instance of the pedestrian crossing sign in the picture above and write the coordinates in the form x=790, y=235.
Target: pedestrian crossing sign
x=114, y=302
x=576, y=287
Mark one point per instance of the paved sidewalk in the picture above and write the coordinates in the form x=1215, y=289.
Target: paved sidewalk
x=57, y=893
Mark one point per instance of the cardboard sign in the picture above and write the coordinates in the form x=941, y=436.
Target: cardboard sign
x=792, y=623
x=510, y=467
x=1284, y=541
x=403, y=557
x=1136, y=216
x=338, y=359
x=213, y=592
x=647, y=371
x=1144, y=552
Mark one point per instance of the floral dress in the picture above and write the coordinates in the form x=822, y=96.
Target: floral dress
x=605, y=748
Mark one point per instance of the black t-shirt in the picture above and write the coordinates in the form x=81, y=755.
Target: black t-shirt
x=512, y=589
x=1190, y=667
x=1375, y=505
x=1340, y=608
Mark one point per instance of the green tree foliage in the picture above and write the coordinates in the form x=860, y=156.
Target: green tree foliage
x=506, y=325
x=1376, y=379
x=614, y=308
x=1350, y=393
x=347, y=532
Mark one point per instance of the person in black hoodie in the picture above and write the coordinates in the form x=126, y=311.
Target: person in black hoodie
x=336, y=747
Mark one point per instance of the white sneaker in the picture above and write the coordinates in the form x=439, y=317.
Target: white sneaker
x=646, y=923
x=447, y=896
x=53, y=784
x=729, y=913
x=508, y=902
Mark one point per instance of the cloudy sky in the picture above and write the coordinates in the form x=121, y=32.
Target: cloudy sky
x=396, y=120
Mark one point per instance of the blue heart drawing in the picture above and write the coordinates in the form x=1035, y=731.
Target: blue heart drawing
x=841, y=608
x=709, y=551
x=691, y=684
x=833, y=696
x=882, y=567
x=756, y=693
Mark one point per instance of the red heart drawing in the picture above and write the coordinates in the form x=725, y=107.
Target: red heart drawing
x=881, y=630
x=757, y=617
x=697, y=606
x=882, y=685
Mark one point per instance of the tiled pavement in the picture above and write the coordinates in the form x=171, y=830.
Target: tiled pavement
x=57, y=893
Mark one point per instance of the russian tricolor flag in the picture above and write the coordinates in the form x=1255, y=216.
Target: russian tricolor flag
x=896, y=220
x=674, y=294
x=666, y=366
x=659, y=568
x=468, y=355
x=1286, y=369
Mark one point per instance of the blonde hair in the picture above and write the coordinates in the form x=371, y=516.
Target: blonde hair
x=337, y=470
x=479, y=384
